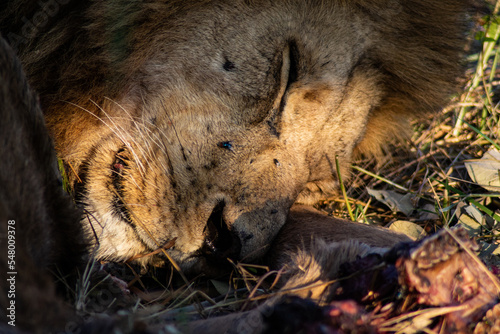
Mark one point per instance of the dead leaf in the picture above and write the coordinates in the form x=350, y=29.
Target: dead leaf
x=428, y=212
x=222, y=287
x=488, y=250
x=486, y=171
x=470, y=218
x=394, y=200
x=412, y=230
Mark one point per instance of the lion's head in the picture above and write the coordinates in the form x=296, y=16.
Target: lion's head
x=202, y=122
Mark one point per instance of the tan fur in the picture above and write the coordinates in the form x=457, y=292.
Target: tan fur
x=310, y=252
x=204, y=121
x=305, y=225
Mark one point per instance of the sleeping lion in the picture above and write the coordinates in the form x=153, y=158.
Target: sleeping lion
x=198, y=124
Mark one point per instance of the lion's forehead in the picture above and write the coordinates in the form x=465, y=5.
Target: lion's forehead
x=237, y=51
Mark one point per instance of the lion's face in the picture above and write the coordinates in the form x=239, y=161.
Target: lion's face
x=204, y=123
x=216, y=135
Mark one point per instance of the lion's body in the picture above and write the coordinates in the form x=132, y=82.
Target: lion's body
x=203, y=122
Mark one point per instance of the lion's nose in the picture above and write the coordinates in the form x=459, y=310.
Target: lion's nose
x=220, y=243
